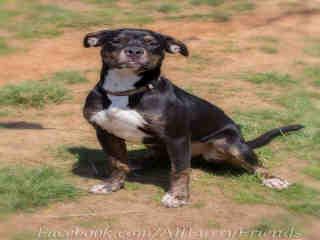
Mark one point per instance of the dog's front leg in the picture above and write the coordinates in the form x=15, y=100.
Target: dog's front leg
x=117, y=161
x=179, y=150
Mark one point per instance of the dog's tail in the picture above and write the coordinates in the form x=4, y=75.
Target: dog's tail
x=268, y=136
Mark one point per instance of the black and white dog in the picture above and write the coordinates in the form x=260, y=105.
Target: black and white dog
x=133, y=102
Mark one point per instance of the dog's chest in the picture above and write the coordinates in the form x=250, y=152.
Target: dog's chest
x=118, y=118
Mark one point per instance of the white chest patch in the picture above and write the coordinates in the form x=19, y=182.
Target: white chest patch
x=118, y=118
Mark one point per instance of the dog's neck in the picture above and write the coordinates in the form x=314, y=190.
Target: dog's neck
x=126, y=79
x=120, y=80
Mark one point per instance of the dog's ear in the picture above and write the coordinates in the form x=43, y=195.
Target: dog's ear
x=96, y=39
x=173, y=45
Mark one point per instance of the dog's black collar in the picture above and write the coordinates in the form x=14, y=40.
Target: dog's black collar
x=130, y=92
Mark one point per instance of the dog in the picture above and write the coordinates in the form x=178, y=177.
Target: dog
x=133, y=102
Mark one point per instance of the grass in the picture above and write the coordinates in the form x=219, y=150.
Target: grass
x=313, y=48
x=266, y=39
x=219, y=11
x=284, y=225
x=313, y=73
x=97, y=222
x=231, y=47
x=246, y=189
x=23, y=188
x=275, y=78
x=4, y=47
x=220, y=16
x=68, y=77
x=298, y=107
x=198, y=205
x=33, y=94
x=158, y=195
x=168, y=8
x=298, y=101
x=313, y=170
x=207, y=2
x=243, y=6
x=5, y=113
x=212, y=224
x=269, y=49
x=39, y=20
x=24, y=235
x=33, y=20
x=132, y=186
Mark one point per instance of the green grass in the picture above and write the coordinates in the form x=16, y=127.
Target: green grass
x=4, y=47
x=33, y=94
x=299, y=101
x=231, y=47
x=243, y=6
x=32, y=19
x=97, y=222
x=158, y=195
x=247, y=189
x=220, y=16
x=313, y=73
x=223, y=10
x=41, y=20
x=275, y=78
x=212, y=224
x=24, y=235
x=298, y=108
x=63, y=153
x=24, y=188
x=6, y=112
x=306, y=208
x=132, y=186
x=105, y=2
x=133, y=18
x=68, y=77
x=207, y=2
x=168, y=8
x=269, y=49
x=198, y=205
x=286, y=225
x=313, y=170
x=266, y=39
x=313, y=48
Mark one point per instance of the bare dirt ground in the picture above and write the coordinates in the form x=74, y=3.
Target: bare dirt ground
x=226, y=49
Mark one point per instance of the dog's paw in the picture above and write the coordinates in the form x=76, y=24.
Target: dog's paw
x=276, y=183
x=172, y=201
x=105, y=188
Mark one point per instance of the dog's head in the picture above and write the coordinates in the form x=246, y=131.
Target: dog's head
x=138, y=49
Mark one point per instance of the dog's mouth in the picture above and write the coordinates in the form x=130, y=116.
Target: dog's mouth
x=133, y=63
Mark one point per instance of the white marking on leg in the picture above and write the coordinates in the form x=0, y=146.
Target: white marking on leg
x=100, y=189
x=276, y=183
x=171, y=201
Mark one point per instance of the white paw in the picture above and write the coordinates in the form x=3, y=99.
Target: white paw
x=276, y=183
x=171, y=201
x=101, y=189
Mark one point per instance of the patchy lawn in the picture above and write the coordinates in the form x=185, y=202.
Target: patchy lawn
x=258, y=60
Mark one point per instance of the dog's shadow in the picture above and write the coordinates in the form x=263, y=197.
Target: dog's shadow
x=91, y=163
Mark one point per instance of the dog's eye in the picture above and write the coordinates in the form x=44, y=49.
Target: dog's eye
x=150, y=41
x=116, y=41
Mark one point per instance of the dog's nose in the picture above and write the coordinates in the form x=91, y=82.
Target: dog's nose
x=134, y=51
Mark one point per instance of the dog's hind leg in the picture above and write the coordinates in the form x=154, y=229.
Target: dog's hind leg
x=239, y=154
